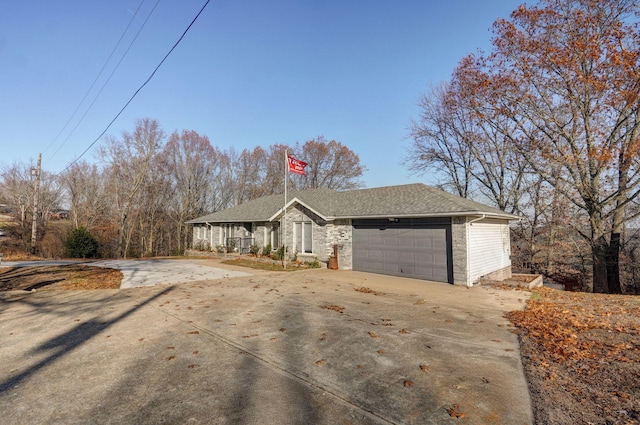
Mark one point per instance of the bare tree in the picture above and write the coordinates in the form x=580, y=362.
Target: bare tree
x=569, y=77
x=128, y=162
x=17, y=191
x=197, y=181
x=50, y=197
x=453, y=138
x=561, y=88
x=84, y=187
x=330, y=164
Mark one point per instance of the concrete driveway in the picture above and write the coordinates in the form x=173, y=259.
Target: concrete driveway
x=138, y=273
x=303, y=347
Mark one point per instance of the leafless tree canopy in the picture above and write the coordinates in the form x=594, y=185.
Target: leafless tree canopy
x=136, y=199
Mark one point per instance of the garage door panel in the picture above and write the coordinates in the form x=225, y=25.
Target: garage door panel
x=421, y=251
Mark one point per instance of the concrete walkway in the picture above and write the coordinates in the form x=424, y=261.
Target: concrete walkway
x=304, y=347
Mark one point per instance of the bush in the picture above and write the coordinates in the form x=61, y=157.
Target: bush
x=81, y=244
x=279, y=254
x=266, y=251
x=201, y=245
x=254, y=249
x=315, y=264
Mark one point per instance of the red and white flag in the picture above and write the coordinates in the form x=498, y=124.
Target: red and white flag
x=295, y=165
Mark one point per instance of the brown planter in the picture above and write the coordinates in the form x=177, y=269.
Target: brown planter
x=333, y=263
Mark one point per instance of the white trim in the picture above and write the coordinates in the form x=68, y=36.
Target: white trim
x=277, y=215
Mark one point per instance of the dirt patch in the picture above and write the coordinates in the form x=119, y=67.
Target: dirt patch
x=581, y=355
x=71, y=276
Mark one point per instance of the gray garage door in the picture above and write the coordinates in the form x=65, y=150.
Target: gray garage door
x=413, y=248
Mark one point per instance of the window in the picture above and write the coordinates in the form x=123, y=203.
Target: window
x=271, y=235
x=303, y=236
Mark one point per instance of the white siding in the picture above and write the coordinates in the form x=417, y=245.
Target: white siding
x=489, y=247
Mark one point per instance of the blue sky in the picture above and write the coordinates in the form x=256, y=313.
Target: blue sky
x=248, y=73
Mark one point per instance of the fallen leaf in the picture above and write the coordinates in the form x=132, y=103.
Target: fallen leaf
x=366, y=290
x=454, y=412
x=408, y=383
x=171, y=357
x=403, y=331
x=283, y=329
x=372, y=335
x=424, y=367
x=333, y=308
x=380, y=351
x=193, y=333
x=321, y=362
x=191, y=366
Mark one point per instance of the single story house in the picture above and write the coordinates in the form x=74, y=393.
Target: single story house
x=410, y=230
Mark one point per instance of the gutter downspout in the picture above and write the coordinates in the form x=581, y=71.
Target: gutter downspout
x=467, y=227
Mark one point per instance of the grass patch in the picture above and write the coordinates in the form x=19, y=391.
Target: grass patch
x=271, y=265
x=261, y=265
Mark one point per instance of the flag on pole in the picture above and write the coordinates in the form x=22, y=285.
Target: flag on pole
x=295, y=165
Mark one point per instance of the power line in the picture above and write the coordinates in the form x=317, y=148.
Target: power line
x=139, y=88
x=94, y=83
x=108, y=79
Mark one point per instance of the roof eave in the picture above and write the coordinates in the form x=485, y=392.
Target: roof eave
x=505, y=216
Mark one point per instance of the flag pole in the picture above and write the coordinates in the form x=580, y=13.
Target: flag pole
x=284, y=230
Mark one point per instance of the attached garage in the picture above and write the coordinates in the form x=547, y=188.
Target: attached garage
x=415, y=248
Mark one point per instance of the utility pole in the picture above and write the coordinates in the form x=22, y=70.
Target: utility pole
x=34, y=224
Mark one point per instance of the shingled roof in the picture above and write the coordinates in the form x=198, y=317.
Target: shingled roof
x=411, y=200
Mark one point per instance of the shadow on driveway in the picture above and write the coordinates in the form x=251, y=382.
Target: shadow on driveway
x=65, y=343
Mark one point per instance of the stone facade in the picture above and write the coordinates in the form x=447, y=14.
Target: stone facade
x=340, y=232
x=299, y=213
x=259, y=234
x=459, y=250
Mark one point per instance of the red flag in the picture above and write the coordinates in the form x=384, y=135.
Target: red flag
x=295, y=165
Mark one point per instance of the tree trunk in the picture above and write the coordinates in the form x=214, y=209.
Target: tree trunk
x=599, y=250
x=613, y=265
